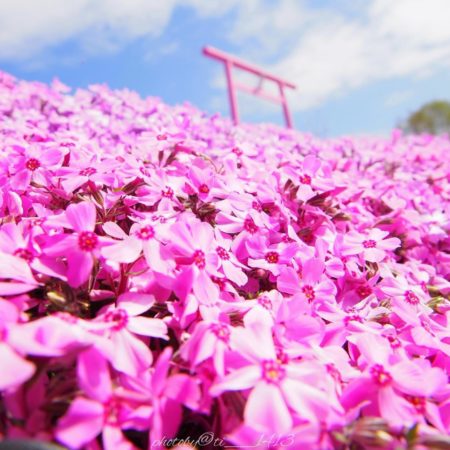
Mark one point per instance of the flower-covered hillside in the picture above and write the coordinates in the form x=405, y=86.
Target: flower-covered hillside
x=167, y=276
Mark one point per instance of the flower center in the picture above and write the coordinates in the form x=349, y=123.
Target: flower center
x=309, y=292
x=256, y=206
x=379, y=375
x=305, y=179
x=221, y=331
x=88, y=172
x=282, y=357
x=370, y=243
x=364, y=291
x=352, y=317
x=394, y=341
x=411, y=298
x=168, y=193
x=32, y=164
x=203, y=188
x=111, y=412
x=161, y=137
x=272, y=371
x=220, y=282
x=146, y=232
x=272, y=257
x=87, y=241
x=223, y=254
x=3, y=334
x=250, y=226
x=119, y=317
x=199, y=259
x=419, y=403
x=24, y=254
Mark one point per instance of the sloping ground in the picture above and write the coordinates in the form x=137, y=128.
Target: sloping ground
x=164, y=274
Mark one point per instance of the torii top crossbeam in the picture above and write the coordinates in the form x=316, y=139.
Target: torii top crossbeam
x=230, y=62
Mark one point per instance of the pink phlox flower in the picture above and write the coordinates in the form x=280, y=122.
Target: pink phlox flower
x=165, y=394
x=408, y=300
x=19, y=240
x=311, y=285
x=80, y=248
x=202, y=182
x=314, y=176
x=121, y=324
x=102, y=409
x=161, y=188
x=371, y=245
x=279, y=390
x=16, y=275
x=272, y=257
x=98, y=172
x=194, y=249
x=232, y=268
x=209, y=339
x=34, y=163
x=387, y=383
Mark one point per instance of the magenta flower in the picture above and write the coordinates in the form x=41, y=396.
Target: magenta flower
x=201, y=182
x=104, y=410
x=80, y=172
x=210, y=339
x=372, y=245
x=19, y=240
x=408, y=300
x=35, y=163
x=273, y=257
x=311, y=180
x=16, y=275
x=279, y=389
x=121, y=324
x=194, y=249
x=386, y=385
x=143, y=238
x=311, y=285
x=228, y=263
x=80, y=248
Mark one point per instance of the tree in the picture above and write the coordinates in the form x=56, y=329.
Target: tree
x=433, y=118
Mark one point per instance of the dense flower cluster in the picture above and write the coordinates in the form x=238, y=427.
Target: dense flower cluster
x=164, y=275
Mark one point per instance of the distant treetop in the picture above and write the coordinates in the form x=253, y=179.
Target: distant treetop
x=433, y=118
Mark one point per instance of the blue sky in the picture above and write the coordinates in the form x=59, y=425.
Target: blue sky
x=360, y=65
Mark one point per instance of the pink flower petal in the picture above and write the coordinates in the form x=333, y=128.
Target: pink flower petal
x=79, y=267
x=126, y=251
x=15, y=369
x=81, y=424
x=93, y=375
x=237, y=380
x=81, y=216
x=266, y=410
x=146, y=326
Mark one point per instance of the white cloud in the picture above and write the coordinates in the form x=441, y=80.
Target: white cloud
x=327, y=51
x=337, y=53
x=29, y=27
x=331, y=50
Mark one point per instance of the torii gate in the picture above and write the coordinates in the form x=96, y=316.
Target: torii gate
x=230, y=62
